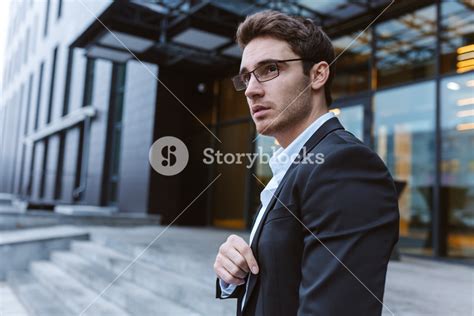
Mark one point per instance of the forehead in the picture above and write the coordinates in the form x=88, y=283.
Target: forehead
x=262, y=48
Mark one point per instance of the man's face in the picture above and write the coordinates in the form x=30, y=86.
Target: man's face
x=275, y=105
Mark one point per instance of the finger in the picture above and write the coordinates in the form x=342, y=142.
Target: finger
x=232, y=268
x=244, y=249
x=247, y=253
x=225, y=276
x=237, y=259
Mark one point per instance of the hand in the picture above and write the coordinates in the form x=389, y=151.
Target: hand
x=234, y=261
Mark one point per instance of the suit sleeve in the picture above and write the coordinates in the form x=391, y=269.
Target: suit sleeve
x=349, y=207
x=235, y=294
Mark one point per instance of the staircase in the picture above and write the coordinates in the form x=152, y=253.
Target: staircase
x=98, y=278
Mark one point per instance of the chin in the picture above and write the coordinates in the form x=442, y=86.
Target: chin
x=264, y=128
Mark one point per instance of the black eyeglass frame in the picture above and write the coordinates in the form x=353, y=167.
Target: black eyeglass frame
x=237, y=78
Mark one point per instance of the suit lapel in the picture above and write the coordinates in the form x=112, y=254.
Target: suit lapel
x=328, y=127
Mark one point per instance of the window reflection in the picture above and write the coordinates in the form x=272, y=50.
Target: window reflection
x=229, y=195
x=457, y=162
x=406, y=47
x=352, y=66
x=232, y=104
x=457, y=22
x=405, y=140
x=352, y=118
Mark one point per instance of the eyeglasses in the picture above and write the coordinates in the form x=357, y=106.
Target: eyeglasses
x=262, y=73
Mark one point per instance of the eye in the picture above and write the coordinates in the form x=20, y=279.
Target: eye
x=270, y=68
x=245, y=78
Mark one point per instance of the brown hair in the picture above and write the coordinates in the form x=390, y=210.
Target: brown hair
x=304, y=37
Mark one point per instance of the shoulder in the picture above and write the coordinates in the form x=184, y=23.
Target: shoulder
x=341, y=149
x=338, y=157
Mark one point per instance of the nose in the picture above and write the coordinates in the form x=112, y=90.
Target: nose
x=254, y=88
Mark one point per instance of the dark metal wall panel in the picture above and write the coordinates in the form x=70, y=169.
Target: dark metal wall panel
x=171, y=195
x=137, y=136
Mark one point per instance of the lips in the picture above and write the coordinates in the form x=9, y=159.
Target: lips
x=258, y=108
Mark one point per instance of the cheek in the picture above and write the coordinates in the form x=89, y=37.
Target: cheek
x=288, y=96
x=279, y=93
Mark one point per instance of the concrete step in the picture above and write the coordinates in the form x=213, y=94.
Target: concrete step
x=182, y=288
x=141, y=302
x=79, y=209
x=10, y=305
x=187, y=264
x=13, y=217
x=6, y=198
x=37, y=300
x=20, y=247
x=73, y=294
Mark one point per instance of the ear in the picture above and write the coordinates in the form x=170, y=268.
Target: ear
x=319, y=74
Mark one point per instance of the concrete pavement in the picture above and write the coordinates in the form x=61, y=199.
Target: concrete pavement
x=175, y=267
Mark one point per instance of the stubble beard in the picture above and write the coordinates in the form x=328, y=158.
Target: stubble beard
x=289, y=115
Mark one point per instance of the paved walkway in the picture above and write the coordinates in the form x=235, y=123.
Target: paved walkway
x=414, y=287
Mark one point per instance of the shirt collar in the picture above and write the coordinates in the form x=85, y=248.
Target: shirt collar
x=283, y=157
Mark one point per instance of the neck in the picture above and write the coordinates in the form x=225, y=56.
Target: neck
x=286, y=137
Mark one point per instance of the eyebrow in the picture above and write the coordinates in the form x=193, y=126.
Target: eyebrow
x=262, y=62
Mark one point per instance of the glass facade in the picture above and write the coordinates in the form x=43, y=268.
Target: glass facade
x=406, y=47
x=230, y=194
x=404, y=122
x=457, y=162
x=352, y=64
x=235, y=130
x=115, y=134
x=405, y=87
x=457, y=24
x=352, y=118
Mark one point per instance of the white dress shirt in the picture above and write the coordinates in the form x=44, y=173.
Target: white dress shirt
x=279, y=164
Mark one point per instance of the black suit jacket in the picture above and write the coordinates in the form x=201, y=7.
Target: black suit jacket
x=324, y=220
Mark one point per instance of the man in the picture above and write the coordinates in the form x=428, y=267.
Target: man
x=323, y=236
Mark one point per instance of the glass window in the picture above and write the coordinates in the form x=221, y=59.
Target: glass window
x=89, y=82
x=231, y=104
x=38, y=96
x=405, y=47
x=229, y=195
x=352, y=66
x=457, y=22
x=115, y=132
x=352, y=118
x=404, y=121
x=67, y=82
x=60, y=8
x=51, y=85
x=457, y=162
x=46, y=18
